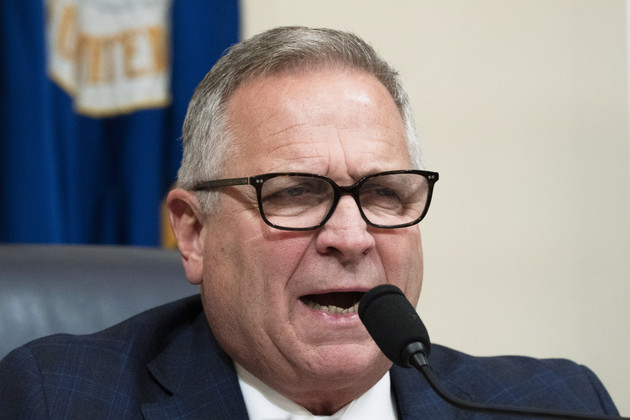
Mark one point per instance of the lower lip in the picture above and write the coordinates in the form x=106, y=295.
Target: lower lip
x=323, y=328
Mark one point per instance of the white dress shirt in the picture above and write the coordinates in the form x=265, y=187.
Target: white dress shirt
x=263, y=403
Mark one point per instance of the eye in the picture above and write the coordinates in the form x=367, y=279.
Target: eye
x=293, y=195
x=290, y=189
x=295, y=191
x=385, y=192
x=380, y=193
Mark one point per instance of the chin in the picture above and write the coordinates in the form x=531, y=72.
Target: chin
x=331, y=384
x=348, y=364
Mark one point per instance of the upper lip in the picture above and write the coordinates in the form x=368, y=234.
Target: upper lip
x=319, y=291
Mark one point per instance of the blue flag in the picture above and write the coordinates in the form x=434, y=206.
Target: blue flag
x=92, y=100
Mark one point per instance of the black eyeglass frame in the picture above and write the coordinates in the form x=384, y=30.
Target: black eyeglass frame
x=257, y=182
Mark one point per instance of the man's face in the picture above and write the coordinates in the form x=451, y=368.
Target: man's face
x=343, y=125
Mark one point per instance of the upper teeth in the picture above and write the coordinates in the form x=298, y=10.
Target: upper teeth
x=333, y=309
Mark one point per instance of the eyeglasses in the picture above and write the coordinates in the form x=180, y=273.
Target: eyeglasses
x=301, y=201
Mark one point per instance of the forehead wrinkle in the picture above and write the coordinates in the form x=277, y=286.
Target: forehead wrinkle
x=302, y=162
x=305, y=147
x=283, y=130
x=332, y=157
x=302, y=146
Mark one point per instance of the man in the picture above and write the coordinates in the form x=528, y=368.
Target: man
x=300, y=189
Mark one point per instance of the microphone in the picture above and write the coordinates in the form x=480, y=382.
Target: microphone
x=395, y=325
x=397, y=329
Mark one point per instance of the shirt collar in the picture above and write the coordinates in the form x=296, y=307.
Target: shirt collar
x=263, y=403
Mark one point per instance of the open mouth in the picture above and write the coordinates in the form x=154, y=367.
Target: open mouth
x=334, y=303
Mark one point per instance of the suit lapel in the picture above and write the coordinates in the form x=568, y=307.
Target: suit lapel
x=416, y=400
x=198, y=379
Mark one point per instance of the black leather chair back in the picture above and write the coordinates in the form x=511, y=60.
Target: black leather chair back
x=48, y=289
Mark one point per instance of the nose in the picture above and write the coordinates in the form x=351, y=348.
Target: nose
x=345, y=234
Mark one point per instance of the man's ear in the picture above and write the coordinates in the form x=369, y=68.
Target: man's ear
x=187, y=222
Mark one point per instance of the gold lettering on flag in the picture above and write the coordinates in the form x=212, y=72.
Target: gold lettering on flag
x=111, y=56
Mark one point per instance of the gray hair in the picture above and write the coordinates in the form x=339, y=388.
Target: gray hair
x=206, y=132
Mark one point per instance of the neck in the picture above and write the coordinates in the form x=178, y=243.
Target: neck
x=318, y=397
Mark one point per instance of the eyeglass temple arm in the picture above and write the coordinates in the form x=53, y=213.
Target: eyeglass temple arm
x=207, y=185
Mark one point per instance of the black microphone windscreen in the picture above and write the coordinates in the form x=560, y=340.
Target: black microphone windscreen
x=393, y=322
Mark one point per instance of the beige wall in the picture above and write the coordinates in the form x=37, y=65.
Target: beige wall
x=523, y=109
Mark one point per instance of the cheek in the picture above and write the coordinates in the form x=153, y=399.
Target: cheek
x=403, y=261
x=231, y=292
x=245, y=290
x=249, y=272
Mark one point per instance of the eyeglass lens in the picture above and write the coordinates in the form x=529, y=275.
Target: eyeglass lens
x=296, y=201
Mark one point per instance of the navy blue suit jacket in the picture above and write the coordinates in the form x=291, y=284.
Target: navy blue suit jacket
x=166, y=364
